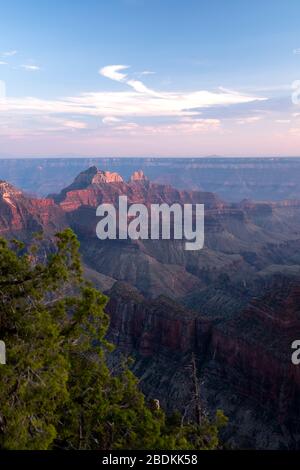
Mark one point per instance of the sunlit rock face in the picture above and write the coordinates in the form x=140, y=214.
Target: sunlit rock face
x=22, y=213
x=138, y=176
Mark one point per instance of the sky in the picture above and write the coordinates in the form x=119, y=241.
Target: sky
x=149, y=78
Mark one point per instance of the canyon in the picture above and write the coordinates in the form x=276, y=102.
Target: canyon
x=235, y=305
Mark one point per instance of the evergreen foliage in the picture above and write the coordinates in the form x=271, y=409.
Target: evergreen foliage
x=56, y=388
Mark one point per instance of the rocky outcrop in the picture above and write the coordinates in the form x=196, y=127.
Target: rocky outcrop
x=255, y=348
x=87, y=179
x=93, y=186
x=94, y=176
x=241, y=239
x=21, y=213
x=246, y=357
x=246, y=240
x=148, y=327
x=138, y=176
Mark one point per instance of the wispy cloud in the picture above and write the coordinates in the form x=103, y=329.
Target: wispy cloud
x=31, y=68
x=113, y=72
x=110, y=120
x=294, y=131
x=249, y=120
x=2, y=62
x=9, y=53
x=147, y=72
x=139, y=86
x=129, y=110
x=75, y=124
x=124, y=103
x=185, y=126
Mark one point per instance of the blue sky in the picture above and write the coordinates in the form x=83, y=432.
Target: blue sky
x=149, y=77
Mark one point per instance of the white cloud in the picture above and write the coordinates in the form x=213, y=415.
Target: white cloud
x=294, y=131
x=9, y=53
x=249, y=120
x=113, y=72
x=118, y=109
x=123, y=103
x=2, y=92
x=31, y=68
x=147, y=72
x=2, y=62
x=186, y=126
x=128, y=126
x=37, y=125
x=139, y=86
x=269, y=88
x=75, y=124
x=110, y=120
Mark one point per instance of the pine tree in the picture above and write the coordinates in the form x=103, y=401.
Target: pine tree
x=56, y=388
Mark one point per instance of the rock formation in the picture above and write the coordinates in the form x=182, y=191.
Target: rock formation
x=234, y=304
x=138, y=176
